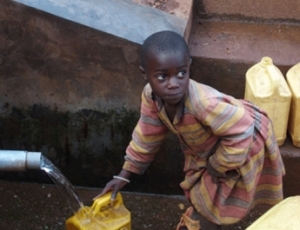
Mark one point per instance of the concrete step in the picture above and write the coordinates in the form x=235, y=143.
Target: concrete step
x=258, y=10
x=223, y=50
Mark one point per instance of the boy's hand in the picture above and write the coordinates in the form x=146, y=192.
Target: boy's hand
x=115, y=185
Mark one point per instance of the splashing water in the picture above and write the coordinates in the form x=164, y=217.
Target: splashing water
x=62, y=183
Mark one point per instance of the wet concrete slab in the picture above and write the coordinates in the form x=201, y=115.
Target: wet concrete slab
x=34, y=206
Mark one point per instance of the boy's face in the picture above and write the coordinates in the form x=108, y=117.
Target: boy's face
x=168, y=75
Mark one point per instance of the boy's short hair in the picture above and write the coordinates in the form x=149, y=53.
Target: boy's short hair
x=163, y=42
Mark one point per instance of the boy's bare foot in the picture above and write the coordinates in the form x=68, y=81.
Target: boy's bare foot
x=187, y=222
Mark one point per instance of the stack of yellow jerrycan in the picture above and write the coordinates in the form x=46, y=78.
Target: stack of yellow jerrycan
x=293, y=79
x=267, y=88
x=103, y=215
x=284, y=215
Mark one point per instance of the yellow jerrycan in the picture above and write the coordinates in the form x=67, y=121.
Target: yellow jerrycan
x=103, y=215
x=284, y=215
x=293, y=80
x=267, y=88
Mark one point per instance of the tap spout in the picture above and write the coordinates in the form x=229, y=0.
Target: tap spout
x=11, y=160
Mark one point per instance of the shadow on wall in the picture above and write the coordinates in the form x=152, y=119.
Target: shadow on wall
x=88, y=147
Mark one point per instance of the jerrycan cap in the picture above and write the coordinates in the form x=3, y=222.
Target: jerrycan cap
x=266, y=61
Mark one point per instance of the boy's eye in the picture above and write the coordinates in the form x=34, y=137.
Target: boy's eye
x=161, y=77
x=181, y=74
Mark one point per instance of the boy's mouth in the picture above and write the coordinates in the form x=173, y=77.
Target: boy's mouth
x=174, y=97
x=172, y=94
x=175, y=93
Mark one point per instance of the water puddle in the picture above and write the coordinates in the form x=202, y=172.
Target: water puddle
x=62, y=183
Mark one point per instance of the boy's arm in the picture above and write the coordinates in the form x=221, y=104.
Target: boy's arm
x=148, y=135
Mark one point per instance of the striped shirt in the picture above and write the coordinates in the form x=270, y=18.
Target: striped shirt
x=234, y=135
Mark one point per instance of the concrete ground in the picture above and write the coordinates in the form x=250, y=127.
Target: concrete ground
x=28, y=206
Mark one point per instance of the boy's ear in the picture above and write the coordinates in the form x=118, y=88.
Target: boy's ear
x=191, y=60
x=143, y=72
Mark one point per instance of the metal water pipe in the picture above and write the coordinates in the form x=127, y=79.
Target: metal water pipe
x=11, y=160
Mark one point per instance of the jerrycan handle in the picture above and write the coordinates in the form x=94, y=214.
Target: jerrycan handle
x=275, y=80
x=104, y=202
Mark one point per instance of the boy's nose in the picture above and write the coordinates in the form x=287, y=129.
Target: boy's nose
x=173, y=83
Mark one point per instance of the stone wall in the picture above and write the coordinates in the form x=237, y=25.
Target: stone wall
x=64, y=65
x=72, y=92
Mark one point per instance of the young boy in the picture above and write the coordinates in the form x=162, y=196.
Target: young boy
x=232, y=161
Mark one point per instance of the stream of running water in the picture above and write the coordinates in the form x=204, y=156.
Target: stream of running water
x=62, y=183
